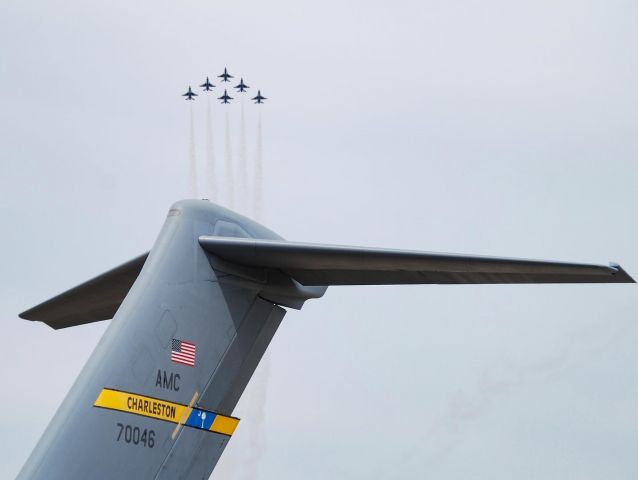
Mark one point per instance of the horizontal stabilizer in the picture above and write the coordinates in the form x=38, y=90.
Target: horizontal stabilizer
x=92, y=301
x=314, y=264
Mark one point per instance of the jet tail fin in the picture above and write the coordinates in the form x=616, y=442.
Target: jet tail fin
x=92, y=301
x=201, y=311
x=314, y=264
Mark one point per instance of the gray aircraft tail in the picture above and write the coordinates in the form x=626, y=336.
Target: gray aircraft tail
x=191, y=321
x=155, y=399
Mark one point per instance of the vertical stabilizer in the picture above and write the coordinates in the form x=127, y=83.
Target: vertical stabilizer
x=155, y=400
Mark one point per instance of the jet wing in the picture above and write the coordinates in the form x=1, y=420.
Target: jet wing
x=92, y=301
x=314, y=264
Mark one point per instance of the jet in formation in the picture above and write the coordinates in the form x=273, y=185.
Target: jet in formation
x=242, y=87
x=225, y=97
x=207, y=86
x=193, y=317
x=259, y=98
x=189, y=95
x=225, y=76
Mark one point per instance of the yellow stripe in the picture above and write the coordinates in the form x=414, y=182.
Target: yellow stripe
x=140, y=405
x=225, y=425
x=160, y=409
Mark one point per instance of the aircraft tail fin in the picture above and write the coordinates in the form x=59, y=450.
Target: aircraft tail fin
x=155, y=399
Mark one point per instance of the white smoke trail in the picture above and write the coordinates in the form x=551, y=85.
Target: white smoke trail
x=244, y=465
x=210, y=155
x=256, y=407
x=193, y=160
x=243, y=162
x=259, y=174
x=229, y=164
x=433, y=448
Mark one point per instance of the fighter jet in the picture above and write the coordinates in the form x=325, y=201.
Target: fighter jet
x=190, y=94
x=225, y=97
x=259, y=98
x=242, y=87
x=225, y=76
x=207, y=86
x=193, y=317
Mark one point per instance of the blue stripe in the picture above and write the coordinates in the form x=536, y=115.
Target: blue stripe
x=200, y=419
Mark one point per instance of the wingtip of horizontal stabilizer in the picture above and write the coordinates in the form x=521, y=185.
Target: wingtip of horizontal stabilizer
x=31, y=314
x=621, y=276
x=36, y=315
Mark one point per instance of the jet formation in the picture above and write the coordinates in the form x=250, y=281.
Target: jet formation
x=207, y=86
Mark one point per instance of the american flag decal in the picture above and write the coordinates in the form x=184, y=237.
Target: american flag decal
x=183, y=352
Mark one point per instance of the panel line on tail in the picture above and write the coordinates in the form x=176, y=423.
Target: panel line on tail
x=184, y=416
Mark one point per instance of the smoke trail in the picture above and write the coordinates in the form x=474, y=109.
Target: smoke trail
x=434, y=447
x=229, y=165
x=254, y=405
x=256, y=410
x=193, y=160
x=259, y=174
x=210, y=156
x=243, y=165
x=245, y=466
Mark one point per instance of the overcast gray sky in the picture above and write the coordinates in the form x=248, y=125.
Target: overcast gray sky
x=491, y=127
